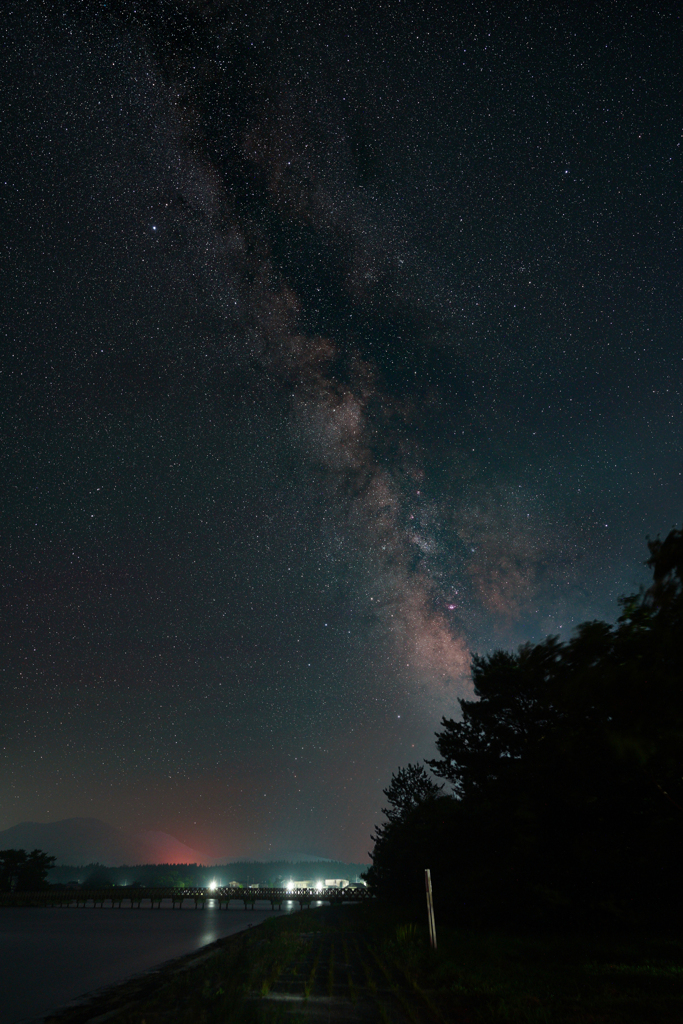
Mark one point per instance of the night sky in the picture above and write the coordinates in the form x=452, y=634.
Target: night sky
x=336, y=344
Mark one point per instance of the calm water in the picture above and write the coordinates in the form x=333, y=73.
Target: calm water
x=50, y=956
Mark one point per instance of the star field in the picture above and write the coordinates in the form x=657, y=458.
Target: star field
x=337, y=343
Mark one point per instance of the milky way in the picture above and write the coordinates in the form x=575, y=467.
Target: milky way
x=338, y=346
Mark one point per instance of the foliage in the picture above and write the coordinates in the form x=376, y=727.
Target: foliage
x=174, y=880
x=24, y=872
x=99, y=878
x=410, y=787
x=567, y=773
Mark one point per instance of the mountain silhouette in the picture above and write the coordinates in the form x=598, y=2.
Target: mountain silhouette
x=79, y=841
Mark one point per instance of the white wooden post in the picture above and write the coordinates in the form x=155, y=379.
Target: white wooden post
x=430, y=908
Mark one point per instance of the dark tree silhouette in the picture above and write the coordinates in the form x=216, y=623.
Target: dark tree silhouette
x=24, y=872
x=567, y=771
x=409, y=787
x=412, y=794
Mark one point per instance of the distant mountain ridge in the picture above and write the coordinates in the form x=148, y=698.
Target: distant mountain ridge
x=90, y=841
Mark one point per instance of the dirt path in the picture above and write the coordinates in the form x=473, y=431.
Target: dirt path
x=341, y=977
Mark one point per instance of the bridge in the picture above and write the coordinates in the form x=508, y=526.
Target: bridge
x=221, y=896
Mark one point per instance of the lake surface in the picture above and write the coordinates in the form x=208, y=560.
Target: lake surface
x=51, y=956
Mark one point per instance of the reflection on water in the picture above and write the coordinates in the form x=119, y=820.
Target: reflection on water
x=78, y=951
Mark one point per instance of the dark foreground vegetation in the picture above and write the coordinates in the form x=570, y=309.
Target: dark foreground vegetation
x=373, y=963
x=566, y=806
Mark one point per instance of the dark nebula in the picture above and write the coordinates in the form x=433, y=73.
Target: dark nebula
x=337, y=343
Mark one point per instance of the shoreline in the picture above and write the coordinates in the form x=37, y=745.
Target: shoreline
x=108, y=1002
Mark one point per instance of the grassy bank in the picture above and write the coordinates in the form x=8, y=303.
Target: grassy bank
x=369, y=963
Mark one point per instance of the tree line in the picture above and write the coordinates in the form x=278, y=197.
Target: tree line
x=24, y=872
x=28, y=872
x=564, y=776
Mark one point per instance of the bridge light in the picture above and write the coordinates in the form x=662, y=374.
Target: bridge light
x=290, y=887
x=213, y=885
x=318, y=886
